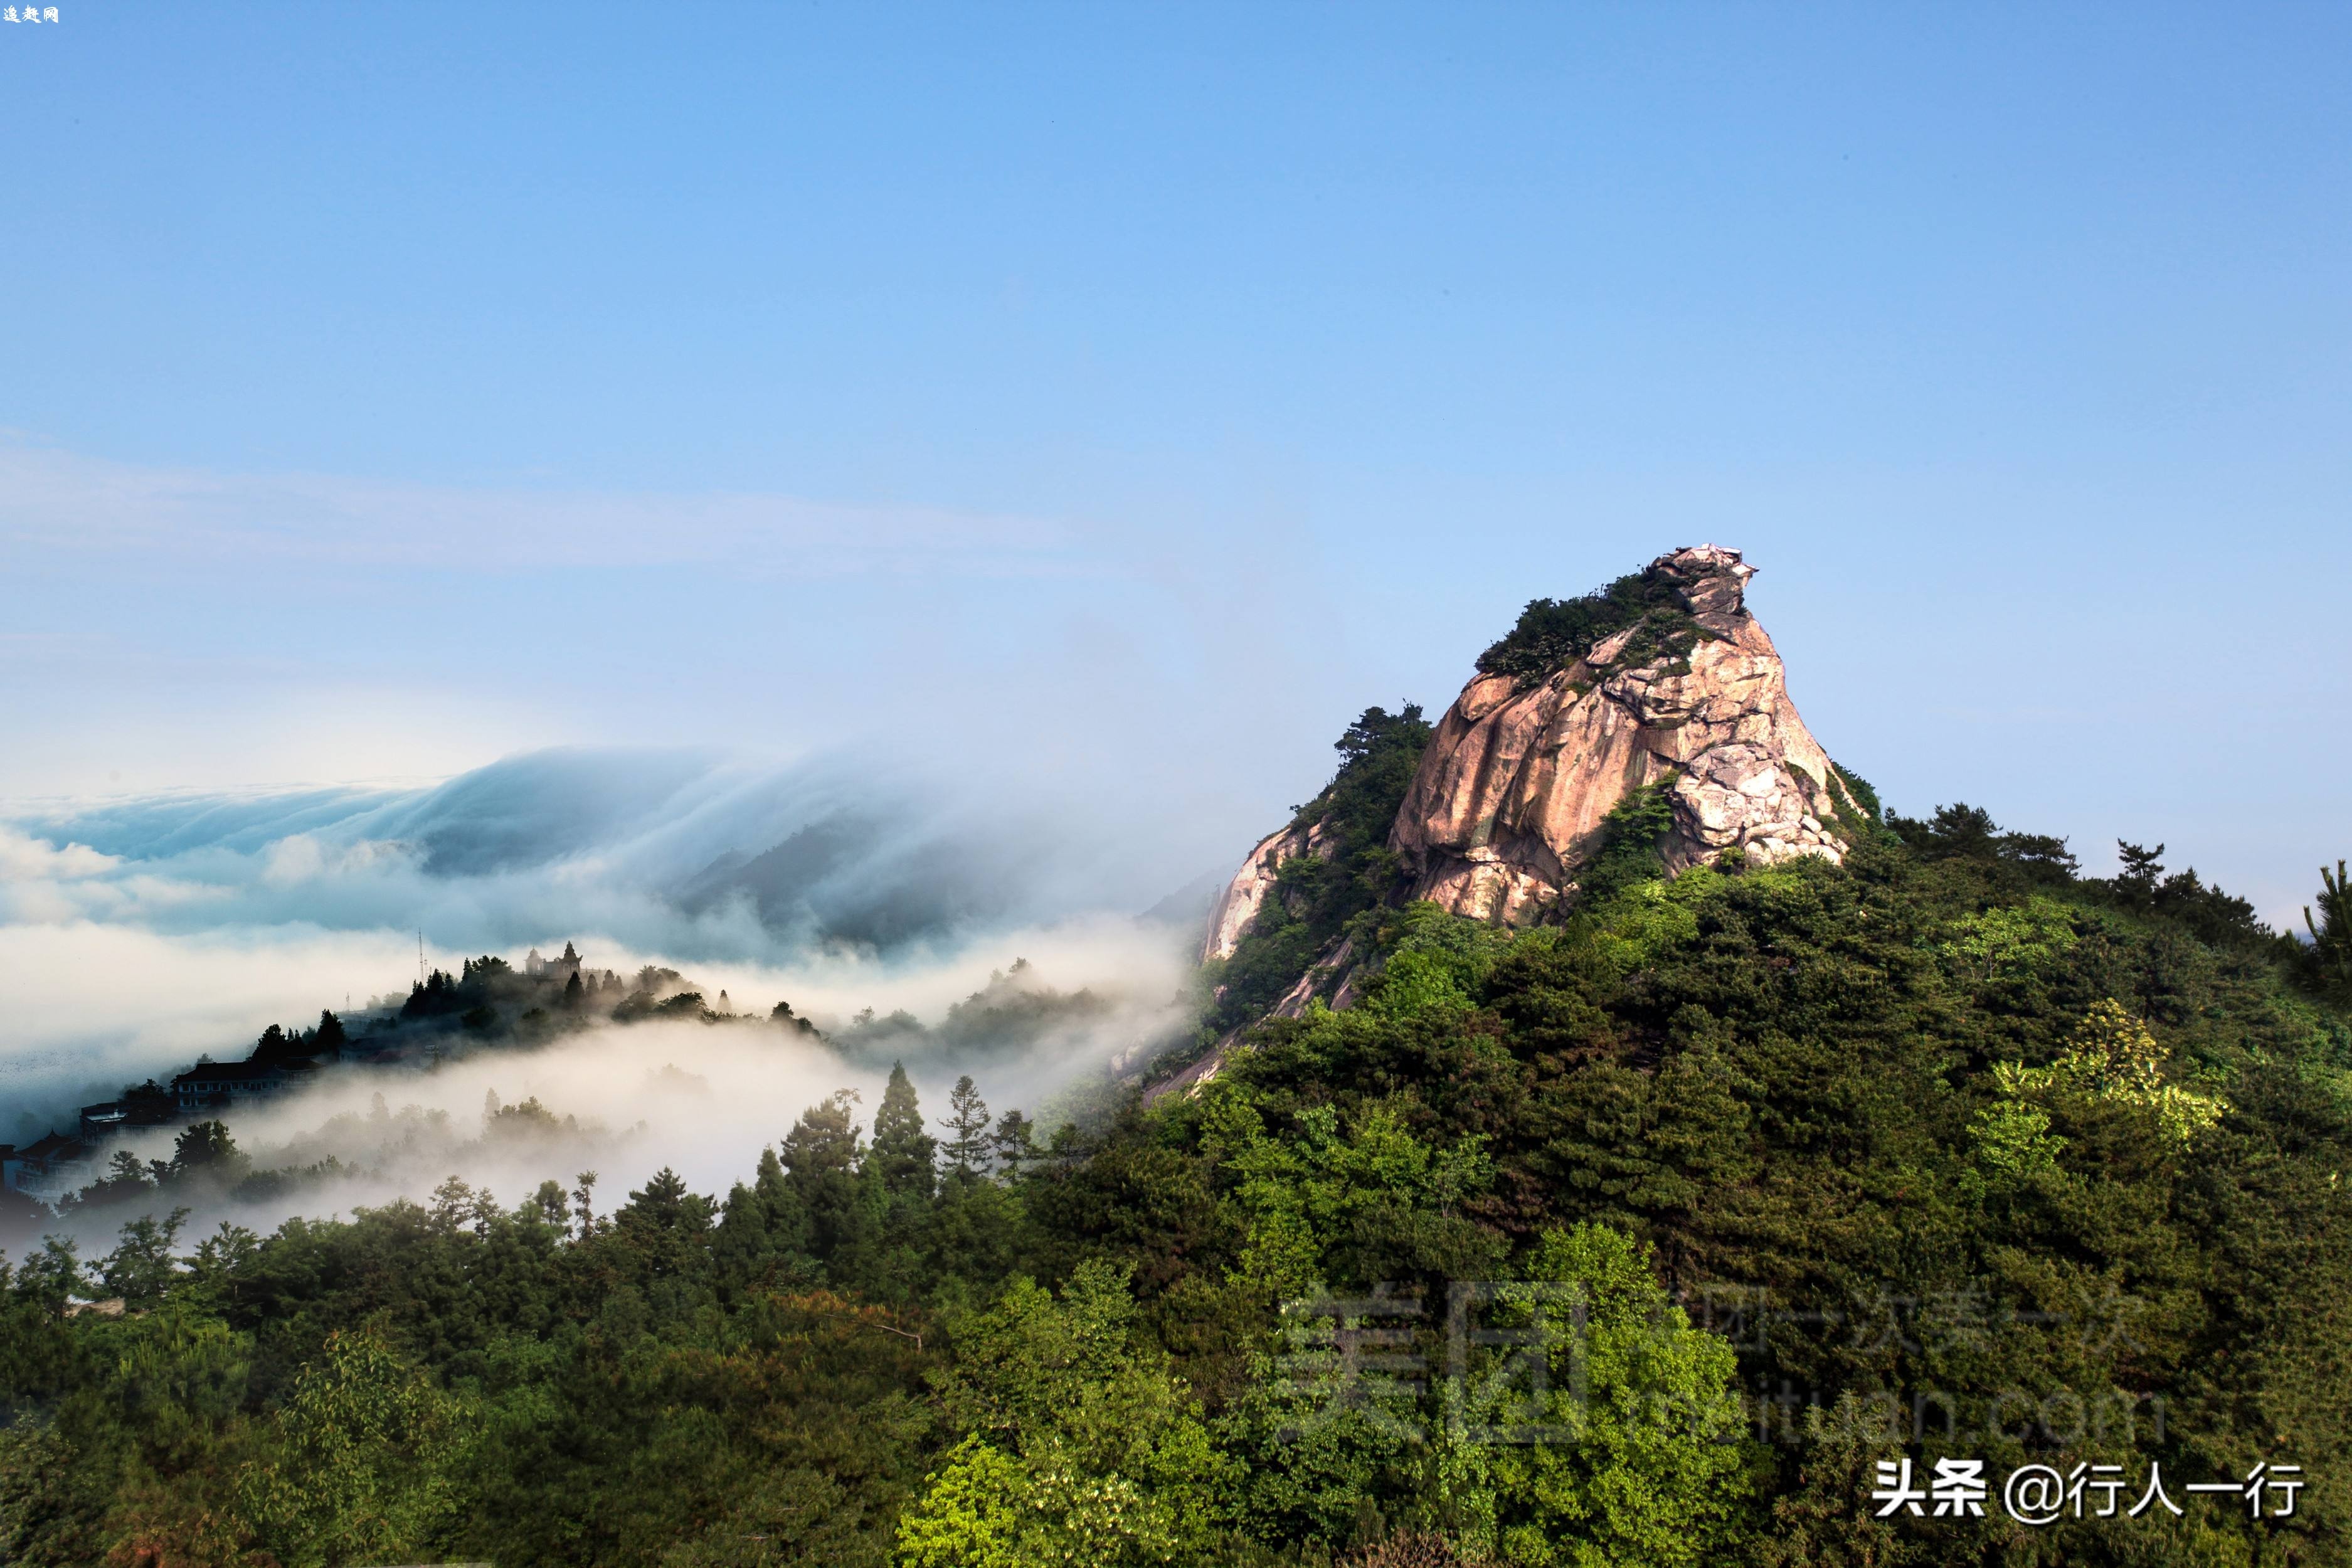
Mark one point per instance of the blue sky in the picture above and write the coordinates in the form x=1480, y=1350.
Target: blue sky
x=1128, y=394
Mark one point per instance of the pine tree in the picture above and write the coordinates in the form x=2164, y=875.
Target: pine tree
x=583, y=1202
x=780, y=1205
x=663, y=1229
x=2143, y=867
x=1015, y=1141
x=820, y=1160
x=547, y=1204
x=902, y=1149
x=967, y=1151
x=823, y=1142
x=2331, y=933
x=740, y=1247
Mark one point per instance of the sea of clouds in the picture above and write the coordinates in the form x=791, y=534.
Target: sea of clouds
x=138, y=933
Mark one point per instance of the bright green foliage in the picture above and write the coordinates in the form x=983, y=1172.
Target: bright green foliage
x=1432, y=966
x=1630, y=837
x=972, y=1513
x=1787, y=1082
x=1645, y=921
x=2006, y=942
x=2014, y=1141
x=1319, y=1187
x=1647, y=1469
x=361, y=1465
x=2113, y=1058
x=1079, y=1446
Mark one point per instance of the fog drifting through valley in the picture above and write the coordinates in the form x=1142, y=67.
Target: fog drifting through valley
x=627, y=1101
x=139, y=935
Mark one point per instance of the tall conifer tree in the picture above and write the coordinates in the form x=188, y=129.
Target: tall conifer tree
x=967, y=1151
x=902, y=1149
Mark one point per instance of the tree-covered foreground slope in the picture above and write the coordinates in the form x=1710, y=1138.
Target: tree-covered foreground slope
x=1760, y=1176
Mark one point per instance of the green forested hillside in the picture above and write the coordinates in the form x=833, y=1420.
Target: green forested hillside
x=1762, y=1175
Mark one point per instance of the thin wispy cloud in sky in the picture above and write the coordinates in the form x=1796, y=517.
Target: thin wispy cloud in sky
x=55, y=500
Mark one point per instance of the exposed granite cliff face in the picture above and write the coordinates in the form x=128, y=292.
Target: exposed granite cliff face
x=1514, y=786
x=1661, y=678
x=1239, y=904
x=1513, y=789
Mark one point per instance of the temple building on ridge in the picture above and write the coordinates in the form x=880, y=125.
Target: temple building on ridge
x=569, y=963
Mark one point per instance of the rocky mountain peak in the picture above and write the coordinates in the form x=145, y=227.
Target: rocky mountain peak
x=1710, y=579
x=1661, y=681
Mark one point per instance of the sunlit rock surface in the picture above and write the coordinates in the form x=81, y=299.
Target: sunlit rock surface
x=1511, y=794
x=1514, y=788
x=1238, y=905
